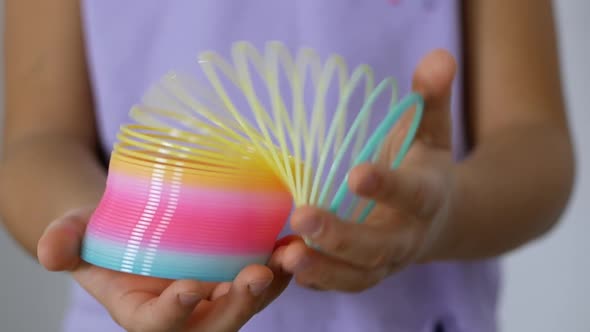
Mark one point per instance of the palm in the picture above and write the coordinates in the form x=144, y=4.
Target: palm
x=428, y=162
x=154, y=304
x=128, y=292
x=429, y=153
x=412, y=202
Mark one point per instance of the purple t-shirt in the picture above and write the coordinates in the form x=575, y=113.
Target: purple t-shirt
x=131, y=44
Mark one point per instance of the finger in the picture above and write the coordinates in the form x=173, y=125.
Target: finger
x=221, y=290
x=281, y=276
x=433, y=79
x=361, y=245
x=146, y=311
x=231, y=311
x=317, y=271
x=130, y=298
x=59, y=247
x=416, y=192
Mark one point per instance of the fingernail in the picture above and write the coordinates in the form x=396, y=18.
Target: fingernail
x=189, y=298
x=258, y=287
x=276, y=258
x=54, y=224
x=311, y=228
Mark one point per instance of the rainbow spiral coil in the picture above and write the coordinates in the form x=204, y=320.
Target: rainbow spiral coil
x=204, y=181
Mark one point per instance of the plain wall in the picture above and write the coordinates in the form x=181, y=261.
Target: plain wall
x=546, y=284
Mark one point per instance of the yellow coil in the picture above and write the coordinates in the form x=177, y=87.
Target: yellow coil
x=223, y=132
x=188, y=150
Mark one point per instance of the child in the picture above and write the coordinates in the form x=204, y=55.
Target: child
x=426, y=259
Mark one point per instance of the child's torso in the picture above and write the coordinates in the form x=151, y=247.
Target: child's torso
x=133, y=43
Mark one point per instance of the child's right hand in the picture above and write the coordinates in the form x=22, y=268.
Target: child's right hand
x=139, y=303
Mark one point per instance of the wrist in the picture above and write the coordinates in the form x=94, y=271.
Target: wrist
x=447, y=231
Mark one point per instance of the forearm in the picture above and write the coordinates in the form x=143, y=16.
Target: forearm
x=42, y=178
x=512, y=189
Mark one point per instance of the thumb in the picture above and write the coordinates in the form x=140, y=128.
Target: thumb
x=58, y=248
x=231, y=311
x=433, y=79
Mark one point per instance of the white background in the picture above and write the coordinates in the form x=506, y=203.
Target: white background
x=547, y=284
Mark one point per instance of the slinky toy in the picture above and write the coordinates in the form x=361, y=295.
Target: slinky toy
x=204, y=181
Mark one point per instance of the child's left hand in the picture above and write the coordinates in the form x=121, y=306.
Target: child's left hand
x=407, y=225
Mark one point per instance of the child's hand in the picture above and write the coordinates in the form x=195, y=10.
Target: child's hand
x=408, y=222
x=147, y=304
